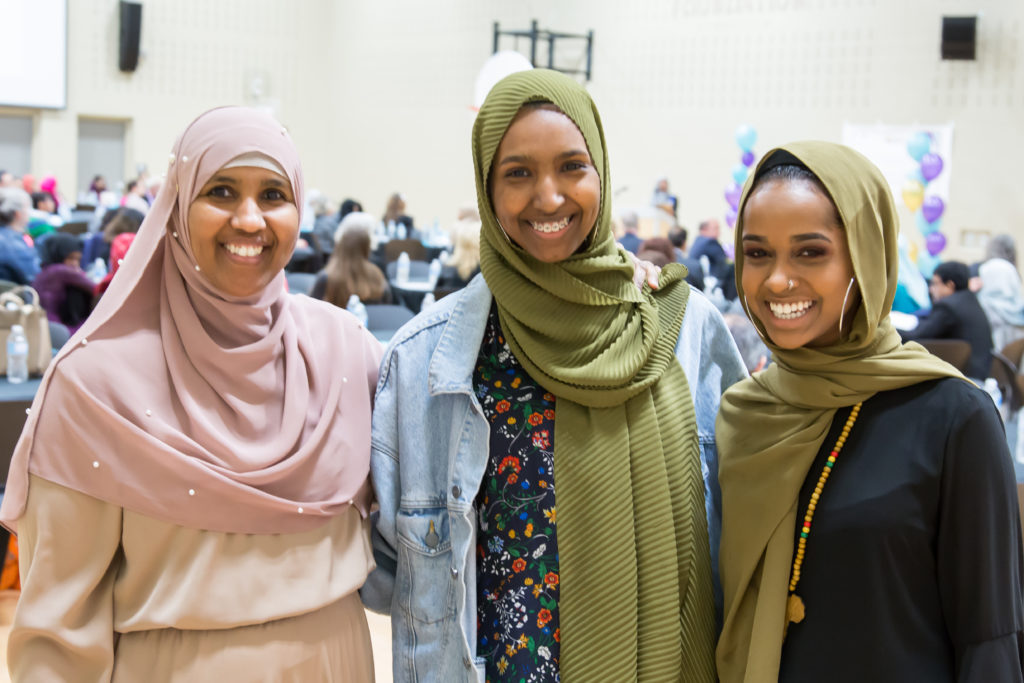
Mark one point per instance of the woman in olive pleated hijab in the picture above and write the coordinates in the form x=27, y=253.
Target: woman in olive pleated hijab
x=870, y=525
x=550, y=369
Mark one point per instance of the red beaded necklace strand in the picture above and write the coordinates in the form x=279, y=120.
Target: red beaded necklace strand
x=794, y=605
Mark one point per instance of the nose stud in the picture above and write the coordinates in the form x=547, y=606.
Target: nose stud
x=791, y=285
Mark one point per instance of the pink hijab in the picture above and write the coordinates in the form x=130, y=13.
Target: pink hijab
x=49, y=186
x=173, y=400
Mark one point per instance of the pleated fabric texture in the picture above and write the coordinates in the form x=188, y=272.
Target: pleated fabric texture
x=635, y=575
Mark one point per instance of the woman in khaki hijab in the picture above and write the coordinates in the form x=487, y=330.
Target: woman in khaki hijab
x=870, y=526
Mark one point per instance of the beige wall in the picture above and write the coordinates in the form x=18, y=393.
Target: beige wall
x=196, y=54
x=377, y=92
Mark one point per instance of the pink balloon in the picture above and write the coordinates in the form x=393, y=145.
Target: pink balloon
x=935, y=242
x=931, y=166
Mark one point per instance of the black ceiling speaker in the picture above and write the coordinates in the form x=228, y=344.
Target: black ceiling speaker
x=131, y=28
x=958, y=37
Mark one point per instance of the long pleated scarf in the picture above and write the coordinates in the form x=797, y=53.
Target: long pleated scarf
x=771, y=425
x=635, y=576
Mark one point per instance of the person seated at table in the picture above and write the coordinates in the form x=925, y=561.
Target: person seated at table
x=135, y=196
x=395, y=210
x=348, y=206
x=65, y=292
x=666, y=250
x=323, y=224
x=43, y=218
x=464, y=263
x=97, y=187
x=19, y=262
x=49, y=186
x=115, y=222
x=1000, y=293
x=118, y=250
x=956, y=314
x=349, y=270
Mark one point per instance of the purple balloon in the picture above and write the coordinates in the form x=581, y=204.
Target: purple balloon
x=935, y=242
x=747, y=158
x=931, y=166
x=730, y=216
x=932, y=208
x=732, y=195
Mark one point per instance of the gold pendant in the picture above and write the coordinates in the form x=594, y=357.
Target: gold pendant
x=794, y=612
x=794, y=609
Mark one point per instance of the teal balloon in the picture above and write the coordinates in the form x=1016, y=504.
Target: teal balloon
x=925, y=226
x=917, y=175
x=919, y=145
x=746, y=136
x=739, y=173
x=926, y=263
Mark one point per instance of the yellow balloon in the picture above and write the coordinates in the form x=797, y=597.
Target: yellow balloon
x=913, y=194
x=912, y=252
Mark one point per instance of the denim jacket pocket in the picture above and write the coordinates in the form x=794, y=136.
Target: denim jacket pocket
x=426, y=575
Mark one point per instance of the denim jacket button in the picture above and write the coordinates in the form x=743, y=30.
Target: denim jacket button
x=456, y=492
x=455, y=572
x=432, y=539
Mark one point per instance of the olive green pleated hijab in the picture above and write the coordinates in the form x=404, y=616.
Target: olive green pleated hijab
x=771, y=425
x=635, y=578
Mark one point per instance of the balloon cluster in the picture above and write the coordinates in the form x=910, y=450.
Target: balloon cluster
x=746, y=136
x=927, y=209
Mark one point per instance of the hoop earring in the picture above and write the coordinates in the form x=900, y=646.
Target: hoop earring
x=842, y=311
x=507, y=238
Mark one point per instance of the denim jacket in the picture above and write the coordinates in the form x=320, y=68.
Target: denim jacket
x=429, y=451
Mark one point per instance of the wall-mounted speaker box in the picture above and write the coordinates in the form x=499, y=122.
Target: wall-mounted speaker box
x=131, y=28
x=958, y=37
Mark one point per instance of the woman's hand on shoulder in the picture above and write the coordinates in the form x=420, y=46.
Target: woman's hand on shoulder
x=644, y=270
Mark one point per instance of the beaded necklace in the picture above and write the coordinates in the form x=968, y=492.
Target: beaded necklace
x=794, y=605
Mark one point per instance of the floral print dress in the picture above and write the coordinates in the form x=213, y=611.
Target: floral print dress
x=517, y=556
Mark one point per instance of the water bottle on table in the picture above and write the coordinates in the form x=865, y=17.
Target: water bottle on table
x=97, y=271
x=428, y=301
x=402, y=269
x=17, y=355
x=357, y=308
x=435, y=272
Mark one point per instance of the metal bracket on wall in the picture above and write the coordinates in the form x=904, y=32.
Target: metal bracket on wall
x=537, y=34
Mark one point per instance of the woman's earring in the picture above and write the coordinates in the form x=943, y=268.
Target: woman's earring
x=507, y=238
x=842, y=311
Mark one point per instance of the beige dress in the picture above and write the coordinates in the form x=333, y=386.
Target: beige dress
x=112, y=595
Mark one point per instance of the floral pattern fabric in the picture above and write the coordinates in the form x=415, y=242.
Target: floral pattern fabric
x=517, y=555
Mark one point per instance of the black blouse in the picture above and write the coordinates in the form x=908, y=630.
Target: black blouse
x=913, y=567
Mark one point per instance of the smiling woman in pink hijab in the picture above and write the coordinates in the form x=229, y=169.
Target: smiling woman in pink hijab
x=190, y=488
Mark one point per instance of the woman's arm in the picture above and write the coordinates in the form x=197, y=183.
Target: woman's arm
x=979, y=557
x=379, y=588
x=64, y=625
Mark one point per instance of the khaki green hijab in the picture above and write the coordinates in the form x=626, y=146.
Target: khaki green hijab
x=771, y=425
x=635, y=580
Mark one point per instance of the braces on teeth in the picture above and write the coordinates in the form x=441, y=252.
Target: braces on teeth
x=550, y=227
